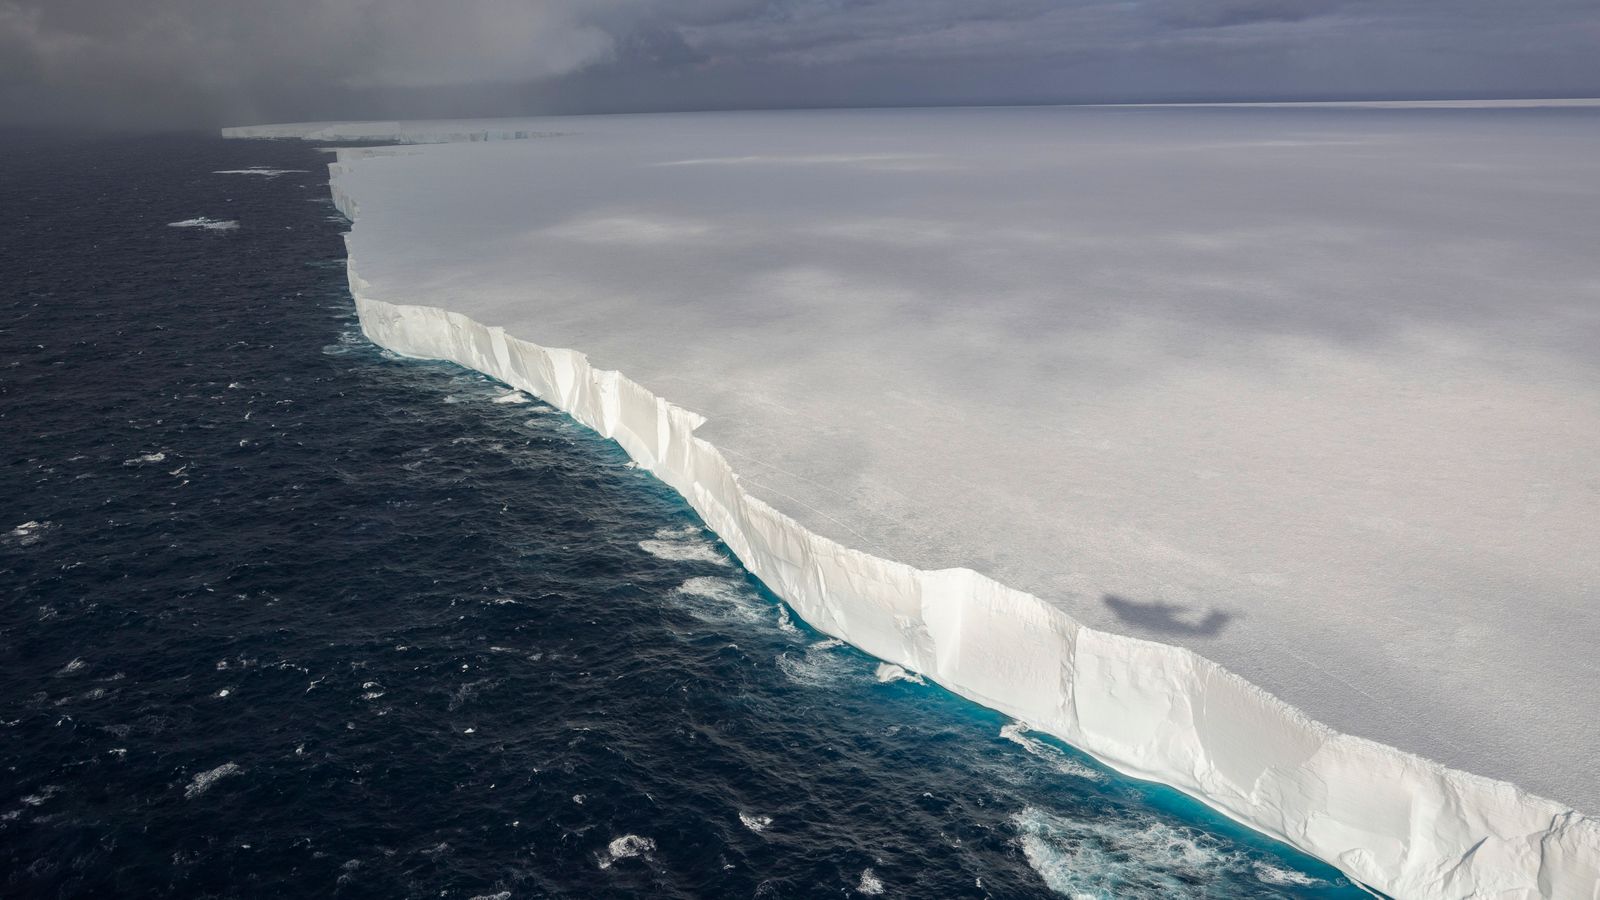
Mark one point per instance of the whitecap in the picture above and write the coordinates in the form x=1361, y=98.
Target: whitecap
x=513, y=397
x=26, y=534
x=206, y=223
x=205, y=780
x=1139, y=859
x=1017, y=733
x=785, y=621
x=720, y=600
x=887, y=672
x=1268, y=873
x=44, y=794
x=684, y=551
x=755, y=823
x=155, y=457
x=816, y=667
x=503, y=895
x=259, y=170
x=626, y=847
x=870, y=883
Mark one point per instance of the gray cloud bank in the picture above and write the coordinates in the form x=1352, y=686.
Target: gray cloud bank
x=167, y=63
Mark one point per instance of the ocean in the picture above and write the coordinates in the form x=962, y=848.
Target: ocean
x=284, y=614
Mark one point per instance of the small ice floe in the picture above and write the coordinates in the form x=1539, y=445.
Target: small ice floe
x=755, y=823
x=1017, y=733
x=513, y=397
x=262, y=171
x=222, y=694
x=888, y=672
x=205, y=780
x=156, y=457
x=626, y=847
x=870, y=884
x=26, y=534
x=206, y=223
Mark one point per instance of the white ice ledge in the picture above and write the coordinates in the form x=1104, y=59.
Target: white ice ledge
x=1392, y=820
x=1389, y=819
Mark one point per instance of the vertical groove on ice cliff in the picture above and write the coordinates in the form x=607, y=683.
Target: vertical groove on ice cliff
x=1400, y=823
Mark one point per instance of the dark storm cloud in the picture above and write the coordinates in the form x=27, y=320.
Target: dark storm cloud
x=207, y=61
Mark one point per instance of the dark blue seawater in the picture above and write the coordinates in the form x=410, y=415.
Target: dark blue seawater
x=283, y=615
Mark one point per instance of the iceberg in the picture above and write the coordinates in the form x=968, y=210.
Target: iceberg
x=1241, y=412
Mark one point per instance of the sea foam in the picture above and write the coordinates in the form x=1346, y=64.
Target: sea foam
x=205, y=223
x=203, y=781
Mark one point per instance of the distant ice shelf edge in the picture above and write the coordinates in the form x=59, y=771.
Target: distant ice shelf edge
x=1389, y=819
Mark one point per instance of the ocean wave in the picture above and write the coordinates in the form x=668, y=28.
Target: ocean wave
x=1136, y=859
x=887, y=672
x=816, y=666
x=626, y=847
x=206, y=779
x=720, y=601
x=26, y=534
x=1267, y=873
x=675, y=546
x=262, y=171
x=786, y=621
x=208, y=224
x=1017, y=733
x=42, y=796
x=755, y=823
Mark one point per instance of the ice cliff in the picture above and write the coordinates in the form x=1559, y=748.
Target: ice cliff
x=1389, y=818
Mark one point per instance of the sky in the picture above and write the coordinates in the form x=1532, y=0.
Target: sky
x=204, y=63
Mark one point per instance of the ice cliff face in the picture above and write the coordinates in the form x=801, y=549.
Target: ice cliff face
x=1392, y=820
x=1402, y=824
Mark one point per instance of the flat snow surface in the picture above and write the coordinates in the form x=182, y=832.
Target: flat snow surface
x=1315, y=392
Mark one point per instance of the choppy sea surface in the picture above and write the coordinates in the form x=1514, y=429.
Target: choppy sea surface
x=284, y=615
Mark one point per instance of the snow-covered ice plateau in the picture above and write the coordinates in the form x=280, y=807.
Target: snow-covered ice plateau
x=1151, y=427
